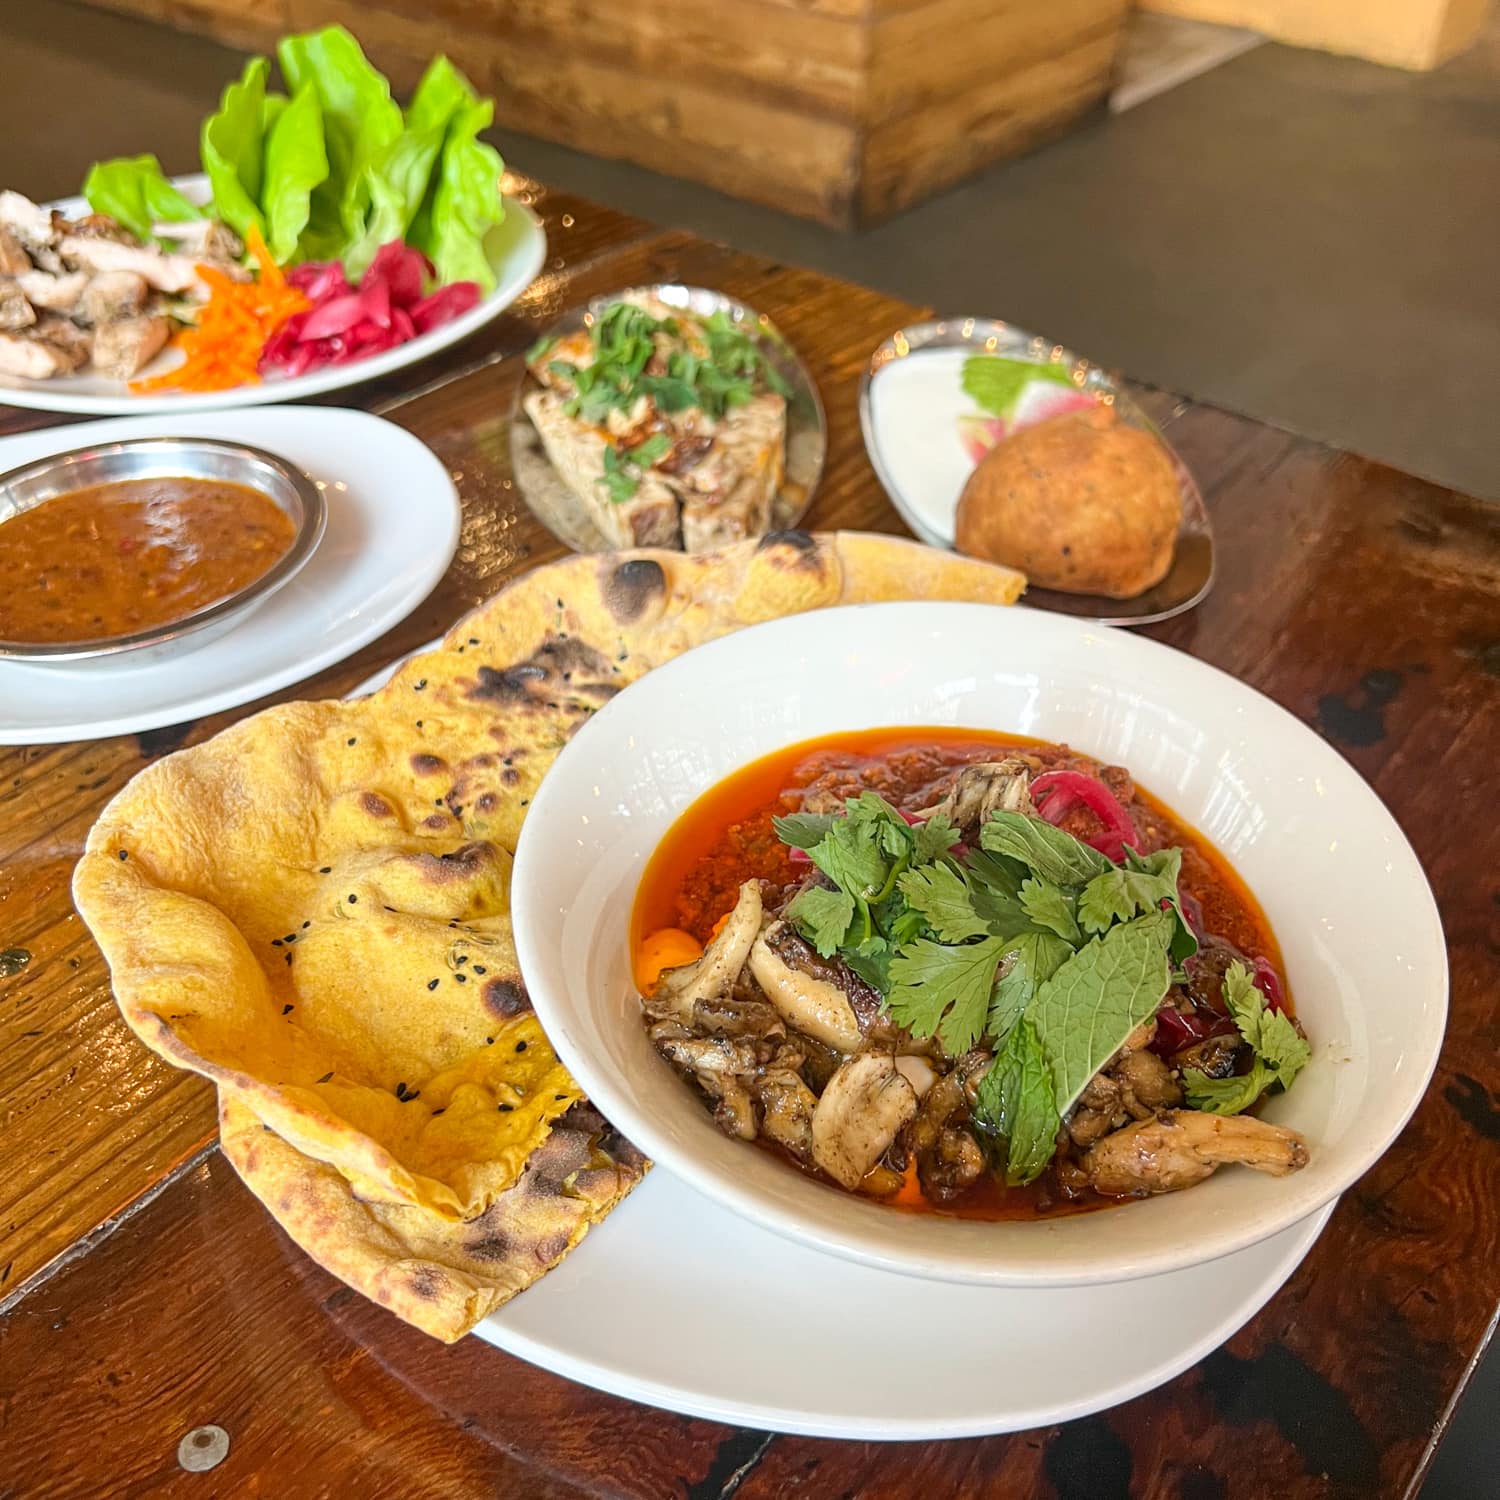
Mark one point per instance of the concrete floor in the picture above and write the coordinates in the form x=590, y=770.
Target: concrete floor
x=1305, y=239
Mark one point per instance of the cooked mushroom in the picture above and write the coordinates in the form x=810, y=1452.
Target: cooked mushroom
x=814, y=1006
x=787, y=1106
x=712, y=977
x=990, y=787
x=1183, y=1146
x=866, y=1102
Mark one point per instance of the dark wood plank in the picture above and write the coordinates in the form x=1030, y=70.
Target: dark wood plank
x=198, y=1310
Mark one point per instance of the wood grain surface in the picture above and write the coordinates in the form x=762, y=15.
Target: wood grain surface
x=150, y=1295
x=844, y=111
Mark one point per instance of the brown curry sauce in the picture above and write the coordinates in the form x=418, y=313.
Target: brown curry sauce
x=113, y=559
x=726, y=837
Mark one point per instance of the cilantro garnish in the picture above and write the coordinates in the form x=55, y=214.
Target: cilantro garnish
x=627, y=338
x=1280, y=1051
x=1034, y=943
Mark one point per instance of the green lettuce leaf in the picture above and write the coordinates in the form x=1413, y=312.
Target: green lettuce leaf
x=398, y=176
x=295, y=163
x=360, y=119
x=135, y=190
x=231, y=146
x=1097, y=998
x=463, y=203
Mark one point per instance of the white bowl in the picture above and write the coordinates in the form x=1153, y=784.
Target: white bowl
x=1343, y=891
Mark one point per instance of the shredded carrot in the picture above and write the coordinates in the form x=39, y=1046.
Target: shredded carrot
x=223, y=348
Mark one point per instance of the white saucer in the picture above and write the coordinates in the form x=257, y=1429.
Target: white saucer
x=678, y=1303
x=681, y=1304
x=393, y=518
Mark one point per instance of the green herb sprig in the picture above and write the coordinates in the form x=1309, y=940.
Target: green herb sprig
x=1034, y=941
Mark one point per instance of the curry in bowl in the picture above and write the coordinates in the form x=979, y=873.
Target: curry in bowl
x=968, y=974
x=110, y=560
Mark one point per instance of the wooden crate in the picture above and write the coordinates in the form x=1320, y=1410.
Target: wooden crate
x=845, y=111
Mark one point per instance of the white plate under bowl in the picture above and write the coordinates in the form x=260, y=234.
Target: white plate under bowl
x=678, y=1303
x=1343, y=891
x=393, y=518
x=624, y=1314
x=516, y=248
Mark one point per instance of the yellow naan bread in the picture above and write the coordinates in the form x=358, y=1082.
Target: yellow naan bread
x=312, y=909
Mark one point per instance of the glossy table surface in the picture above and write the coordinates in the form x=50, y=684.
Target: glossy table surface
x=146, y=1294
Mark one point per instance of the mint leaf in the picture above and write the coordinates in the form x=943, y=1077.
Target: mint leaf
x=1015, y=1100
x=822, y=917
x=1048, y=907
x=934, y=838
x=1097, y=998
x=1225, y=1096
x=938, y=892
x=996, y=382
x=802, y=830
x=1035, y=956
x=1043, y=849
x=944, y=991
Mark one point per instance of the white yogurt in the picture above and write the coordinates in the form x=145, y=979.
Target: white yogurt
x=915, y=404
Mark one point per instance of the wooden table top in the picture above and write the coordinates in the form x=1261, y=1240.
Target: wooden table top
x=147, y=1294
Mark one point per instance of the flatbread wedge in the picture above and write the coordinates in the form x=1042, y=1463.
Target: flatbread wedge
x=312, y=908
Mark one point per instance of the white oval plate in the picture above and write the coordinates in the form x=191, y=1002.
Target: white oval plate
x=393, y=517
x=1338, y=881
x=681, y=1304
x=625, y=1313
x=516, y=247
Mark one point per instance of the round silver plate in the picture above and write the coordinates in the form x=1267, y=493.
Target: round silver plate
x=283, y=483
x=560, y=510
x=1192, y=573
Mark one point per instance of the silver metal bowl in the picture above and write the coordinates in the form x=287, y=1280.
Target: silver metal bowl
x=166, y=458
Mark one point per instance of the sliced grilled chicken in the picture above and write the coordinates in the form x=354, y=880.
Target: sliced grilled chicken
x=124, y=348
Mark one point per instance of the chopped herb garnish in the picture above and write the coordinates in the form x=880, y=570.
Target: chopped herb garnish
x=1034, y=943
x=1281, y=1052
